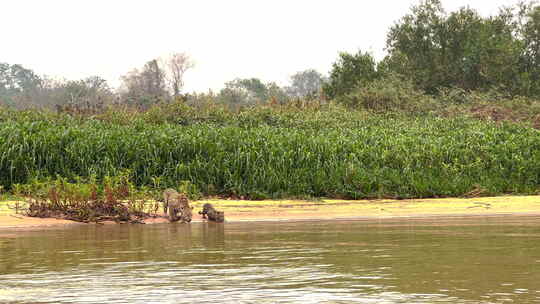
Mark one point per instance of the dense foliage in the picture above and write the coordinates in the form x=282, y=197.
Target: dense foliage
x=453, y=108
x=461, y=49
x=279, y=151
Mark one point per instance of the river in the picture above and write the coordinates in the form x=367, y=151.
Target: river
x=475, y=260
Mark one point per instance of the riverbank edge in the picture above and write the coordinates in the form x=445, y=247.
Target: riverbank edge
x=324, y=210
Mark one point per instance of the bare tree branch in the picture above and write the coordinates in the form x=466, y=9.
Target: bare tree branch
x=176, y=65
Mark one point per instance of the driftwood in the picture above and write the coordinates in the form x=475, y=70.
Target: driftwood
x=85, y=212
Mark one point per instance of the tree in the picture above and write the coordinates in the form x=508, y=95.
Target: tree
x=530, y=31
x=157, y=80
x=176, y=65
x=349, y=72
x=146, y=86
x=17, y=82
x=461, y=49
x=414, y=43
x=153, y=79
x=481, y=52
x=244, y=91
x=91, y=91
x=276, y=93
x=306, y=83
x=251, y=91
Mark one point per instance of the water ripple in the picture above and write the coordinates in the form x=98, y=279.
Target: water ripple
x=349, y=263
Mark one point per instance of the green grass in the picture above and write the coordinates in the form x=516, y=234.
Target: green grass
x=277, y=152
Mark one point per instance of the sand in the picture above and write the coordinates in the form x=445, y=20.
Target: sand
x=296, y=210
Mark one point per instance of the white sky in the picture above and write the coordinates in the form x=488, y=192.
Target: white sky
x=269, y=39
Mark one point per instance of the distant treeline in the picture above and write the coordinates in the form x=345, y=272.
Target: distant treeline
x=429, y=52
x=159, y=80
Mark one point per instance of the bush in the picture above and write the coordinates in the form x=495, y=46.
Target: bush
x=349, y=72
x=389, y=94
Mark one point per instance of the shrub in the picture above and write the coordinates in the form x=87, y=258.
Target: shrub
x=388, y=94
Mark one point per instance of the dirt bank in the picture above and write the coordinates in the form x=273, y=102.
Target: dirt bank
x=236, y=210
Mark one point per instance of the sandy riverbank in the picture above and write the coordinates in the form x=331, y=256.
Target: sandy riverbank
x=282, y=210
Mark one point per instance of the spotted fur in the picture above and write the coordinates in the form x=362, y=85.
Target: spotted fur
x=210, y=213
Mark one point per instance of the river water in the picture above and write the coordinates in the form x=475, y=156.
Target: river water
x=477, y=260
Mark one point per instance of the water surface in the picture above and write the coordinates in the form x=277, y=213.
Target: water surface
x=478, y=260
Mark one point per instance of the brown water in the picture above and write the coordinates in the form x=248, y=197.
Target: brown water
x=480, y=260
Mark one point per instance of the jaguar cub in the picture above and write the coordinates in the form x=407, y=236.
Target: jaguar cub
x=210, y=213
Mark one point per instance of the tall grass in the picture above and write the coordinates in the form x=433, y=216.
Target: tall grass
x=277, y=152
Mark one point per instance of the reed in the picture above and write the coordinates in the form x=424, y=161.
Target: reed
x=276, y=152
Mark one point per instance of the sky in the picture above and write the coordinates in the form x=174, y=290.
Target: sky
x=270, y=40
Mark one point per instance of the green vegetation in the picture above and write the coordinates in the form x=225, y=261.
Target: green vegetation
x=279, y=151
x=115, y=199
x=453, y=109
x=436, y=49
x=466, y=50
